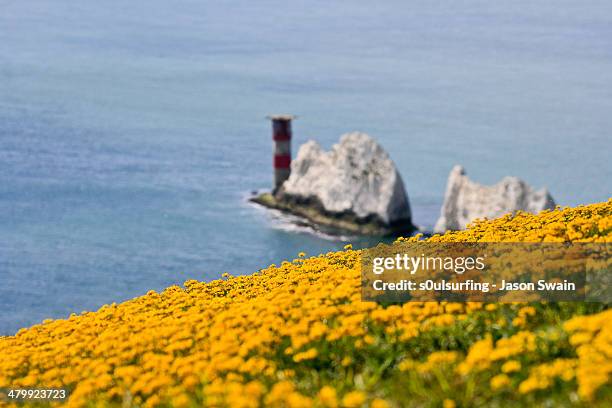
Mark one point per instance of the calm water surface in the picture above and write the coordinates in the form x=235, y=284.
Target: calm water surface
x=131, y=132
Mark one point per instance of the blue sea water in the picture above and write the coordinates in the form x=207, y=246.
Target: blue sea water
x=131, y=132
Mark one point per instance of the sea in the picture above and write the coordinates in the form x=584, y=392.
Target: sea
x=133, y=132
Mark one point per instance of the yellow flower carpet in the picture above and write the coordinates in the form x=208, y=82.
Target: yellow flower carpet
x=298, y=335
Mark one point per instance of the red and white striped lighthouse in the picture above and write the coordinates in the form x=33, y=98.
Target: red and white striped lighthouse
x=281, y=134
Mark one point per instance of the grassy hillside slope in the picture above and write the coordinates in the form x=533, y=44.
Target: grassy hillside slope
x=298, y=335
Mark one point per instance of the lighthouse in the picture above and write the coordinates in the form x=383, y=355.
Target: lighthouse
x=281, y=136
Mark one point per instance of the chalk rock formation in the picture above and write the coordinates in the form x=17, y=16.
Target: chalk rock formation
x=354, y=186
x=466, y=200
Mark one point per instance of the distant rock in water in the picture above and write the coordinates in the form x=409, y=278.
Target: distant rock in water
x=354, y=187
x=466, y=200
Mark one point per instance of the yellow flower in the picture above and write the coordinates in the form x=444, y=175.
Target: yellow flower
x=181, y=401
x=279, y=393
x=436, y=360
x=379, y=403
x=500, y=381
x=407, y=365
x=297, y=400
x=346, y=361
x=511, y=366
x=353, y=399
x=306, y=355
x=327, y=397
x=448, y=403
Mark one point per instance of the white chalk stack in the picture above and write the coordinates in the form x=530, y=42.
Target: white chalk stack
x=356, y=177
x=466, y=200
